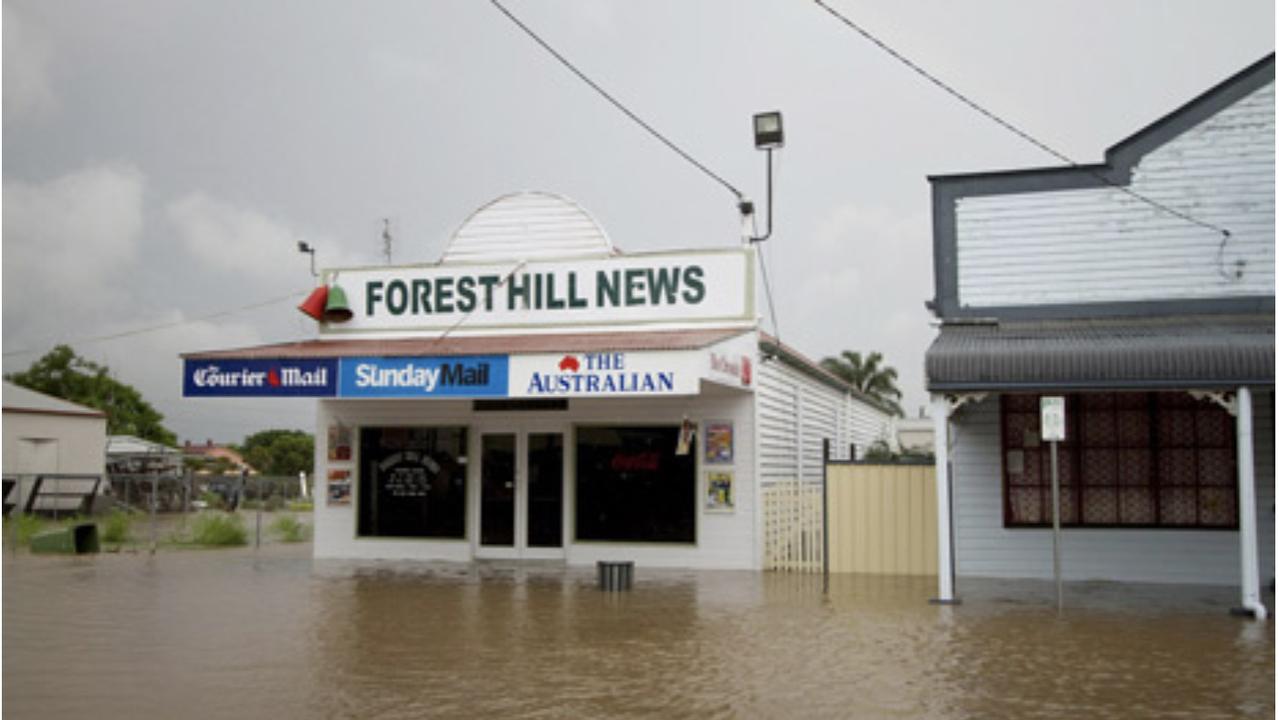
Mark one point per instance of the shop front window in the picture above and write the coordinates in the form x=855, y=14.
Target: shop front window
x=412, y=482
x=1155, y=460
x=631, y=486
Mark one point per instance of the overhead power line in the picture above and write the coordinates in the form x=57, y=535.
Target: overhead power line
x=617, y=103
x=165, y=326
x=972, y=104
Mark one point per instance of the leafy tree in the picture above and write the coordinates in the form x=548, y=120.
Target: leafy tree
x=280, y=452
x=64, y=374
x=211, y=465
x=881, y=452
x=867, y=374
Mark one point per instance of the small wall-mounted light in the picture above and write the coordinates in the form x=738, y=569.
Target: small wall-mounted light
x=768, y=130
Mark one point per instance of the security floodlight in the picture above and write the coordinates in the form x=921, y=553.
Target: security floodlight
x=768, y=137
x=768, y=130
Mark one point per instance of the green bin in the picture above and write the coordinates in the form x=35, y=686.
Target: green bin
x=73, y=540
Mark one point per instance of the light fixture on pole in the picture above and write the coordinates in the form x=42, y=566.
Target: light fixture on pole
x=768, y=137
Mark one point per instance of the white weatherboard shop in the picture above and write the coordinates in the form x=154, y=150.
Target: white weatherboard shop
x=539, y=395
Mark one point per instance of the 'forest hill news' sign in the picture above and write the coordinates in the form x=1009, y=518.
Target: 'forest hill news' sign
x=666, y=287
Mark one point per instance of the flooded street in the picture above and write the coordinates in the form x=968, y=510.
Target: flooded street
x=271, y=633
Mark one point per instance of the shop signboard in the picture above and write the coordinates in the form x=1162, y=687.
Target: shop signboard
x=467, y=376
x=705, y=286
x=604, y=374
x=732, y=362
x=260, y=378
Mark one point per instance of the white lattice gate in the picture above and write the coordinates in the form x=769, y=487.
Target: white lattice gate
x=793, y=527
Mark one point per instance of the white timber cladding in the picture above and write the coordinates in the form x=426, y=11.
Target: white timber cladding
x=1104, y=245
x=528, y=226
x=984, y=548
x=796, y=412
x=46, y=443
x=724, y=540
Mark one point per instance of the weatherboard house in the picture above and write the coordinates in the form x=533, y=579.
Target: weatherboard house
x=538, y=394
x=1141, y=290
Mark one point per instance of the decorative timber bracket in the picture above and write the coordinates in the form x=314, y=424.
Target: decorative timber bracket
x=1226, y=399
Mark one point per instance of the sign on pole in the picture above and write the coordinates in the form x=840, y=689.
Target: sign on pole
x=1052, y=418
x=1052, y=427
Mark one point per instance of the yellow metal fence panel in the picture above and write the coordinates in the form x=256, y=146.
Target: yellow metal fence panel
x=882, y=519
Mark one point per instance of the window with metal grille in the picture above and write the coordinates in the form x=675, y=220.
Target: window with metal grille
x=1145, y=460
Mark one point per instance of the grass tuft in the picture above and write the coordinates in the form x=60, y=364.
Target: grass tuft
x=290, y=529
x=218, y=529
x=23, y=527
x=115, y=527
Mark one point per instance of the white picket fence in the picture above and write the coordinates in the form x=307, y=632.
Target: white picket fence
x=793, y=527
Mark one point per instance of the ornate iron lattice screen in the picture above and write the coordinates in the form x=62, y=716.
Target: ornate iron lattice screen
x=1146, y=460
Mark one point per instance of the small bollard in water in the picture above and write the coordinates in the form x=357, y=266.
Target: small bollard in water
x=615, y=575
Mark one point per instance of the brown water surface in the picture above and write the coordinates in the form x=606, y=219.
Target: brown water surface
x=272, y=634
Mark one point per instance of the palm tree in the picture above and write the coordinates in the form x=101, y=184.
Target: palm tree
x=867, y=376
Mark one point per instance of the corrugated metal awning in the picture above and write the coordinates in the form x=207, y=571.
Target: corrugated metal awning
x=1176, y=352
x=481, y=345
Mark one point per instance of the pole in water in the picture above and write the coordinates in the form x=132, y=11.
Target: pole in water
x=155, y=490
x=1056, y=526
x=257, y=540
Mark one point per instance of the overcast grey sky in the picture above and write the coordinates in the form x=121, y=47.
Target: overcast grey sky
x=162, y=159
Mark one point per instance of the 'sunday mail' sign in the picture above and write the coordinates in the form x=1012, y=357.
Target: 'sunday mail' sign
x=469, y=376
x=653, y=287
x=260, y=378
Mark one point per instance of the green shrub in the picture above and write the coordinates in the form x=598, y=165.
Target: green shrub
x=273, y=503
x=23, y=527
x=300, y=506
x=212, y=500
x=290, y=529
x=115, y=528
x=222, y=529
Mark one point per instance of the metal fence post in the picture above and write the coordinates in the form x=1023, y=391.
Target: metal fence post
x=825, y=518
x=257, y=539
x=155, y=497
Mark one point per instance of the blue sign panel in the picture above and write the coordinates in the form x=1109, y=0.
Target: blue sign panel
x=416, y=377
x=260, y=378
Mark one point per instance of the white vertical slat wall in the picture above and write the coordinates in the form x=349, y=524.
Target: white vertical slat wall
x=1105, y=245
x=796, y=413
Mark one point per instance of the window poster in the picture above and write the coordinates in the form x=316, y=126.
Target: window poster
x=719, y=491
x=339, y=443
x=719, y=442
x=339, y=487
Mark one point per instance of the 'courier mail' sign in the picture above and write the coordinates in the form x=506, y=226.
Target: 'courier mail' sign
x=653, y=287
x=260, y=378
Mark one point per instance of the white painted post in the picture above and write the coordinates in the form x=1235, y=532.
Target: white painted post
x=1251, y=583
x=941, y=445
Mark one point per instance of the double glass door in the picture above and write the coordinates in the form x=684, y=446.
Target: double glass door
x=521, y=503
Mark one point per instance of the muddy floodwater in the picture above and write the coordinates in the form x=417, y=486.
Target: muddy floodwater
x=273, y=634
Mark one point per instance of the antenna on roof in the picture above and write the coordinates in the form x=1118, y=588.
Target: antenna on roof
x=386, y=239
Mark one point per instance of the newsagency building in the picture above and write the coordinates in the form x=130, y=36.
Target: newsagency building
x=538, y=394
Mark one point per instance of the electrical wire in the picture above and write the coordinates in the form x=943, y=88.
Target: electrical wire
x=768, y=287
x=617, y=103
x=1225, y=233
x=166, y=326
